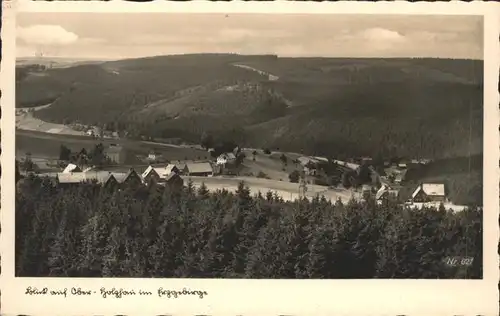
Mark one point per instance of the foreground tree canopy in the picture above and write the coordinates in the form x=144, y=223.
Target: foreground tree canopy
x=153, y=231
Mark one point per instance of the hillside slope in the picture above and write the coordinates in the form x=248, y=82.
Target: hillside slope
x=330, y=106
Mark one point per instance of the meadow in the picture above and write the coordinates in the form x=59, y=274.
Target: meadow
x=48, y=145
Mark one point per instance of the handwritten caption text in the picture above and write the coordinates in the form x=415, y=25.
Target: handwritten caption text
x=114, y=292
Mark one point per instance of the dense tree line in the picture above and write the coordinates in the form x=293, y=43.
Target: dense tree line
x=96, y=156
x=155, y=231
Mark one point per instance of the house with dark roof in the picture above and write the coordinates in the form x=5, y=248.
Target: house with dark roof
x=131, y=178
x=104, y=178
x=174, y=180
x=151, y=175
x=110, y=182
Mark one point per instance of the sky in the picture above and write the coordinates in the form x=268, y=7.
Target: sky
x=129, y=35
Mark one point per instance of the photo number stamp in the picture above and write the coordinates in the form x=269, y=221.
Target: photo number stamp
x=458, y=261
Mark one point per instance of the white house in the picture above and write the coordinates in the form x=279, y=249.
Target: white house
x=429, y=192
x=152, y=156
x=163, y=172
x=226, y=158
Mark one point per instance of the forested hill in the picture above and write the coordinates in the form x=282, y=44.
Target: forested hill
x=405, y=107
x=157, y=231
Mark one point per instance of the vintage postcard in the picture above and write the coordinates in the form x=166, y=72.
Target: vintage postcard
x=250, y=159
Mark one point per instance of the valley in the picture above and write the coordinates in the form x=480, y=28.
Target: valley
x=332, y=107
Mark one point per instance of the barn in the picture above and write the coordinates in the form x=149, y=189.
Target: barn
x=199, y=169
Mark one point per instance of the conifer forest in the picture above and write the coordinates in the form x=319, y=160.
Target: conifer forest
x=154, y=231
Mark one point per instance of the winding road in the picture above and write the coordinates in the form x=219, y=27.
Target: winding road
x=270, y=76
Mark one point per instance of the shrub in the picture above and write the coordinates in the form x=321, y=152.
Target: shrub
x=294, y=176
x=262, y=175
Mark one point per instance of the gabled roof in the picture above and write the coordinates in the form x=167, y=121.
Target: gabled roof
x=148, y=170
x=200, y=167
x=161, y=171
x=119, y=177
x=432, y=189
x=108, y=178
x=169, y=168
x=71, y=168
x=172, y=175
x=88, y=169
x=130, y=173
x=380, y=193
x=181, y=166
x=323, y=159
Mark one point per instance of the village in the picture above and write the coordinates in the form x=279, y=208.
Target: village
x=294, y=175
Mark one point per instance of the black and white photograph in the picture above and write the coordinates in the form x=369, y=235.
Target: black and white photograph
x=249, y=146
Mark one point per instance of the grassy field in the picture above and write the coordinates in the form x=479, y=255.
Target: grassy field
x=287, y=190
x=48, y=145
x=29, y=123
x=269, y=165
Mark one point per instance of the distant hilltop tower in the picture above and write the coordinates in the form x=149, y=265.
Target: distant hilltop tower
x=39, y=54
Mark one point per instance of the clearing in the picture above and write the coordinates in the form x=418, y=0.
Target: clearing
x=287, y=190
